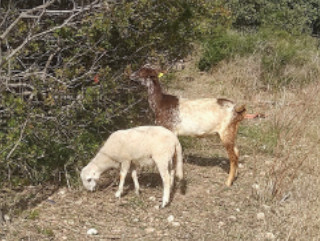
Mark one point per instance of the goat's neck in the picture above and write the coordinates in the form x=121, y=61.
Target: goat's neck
x=154, y=94
x=103, y=162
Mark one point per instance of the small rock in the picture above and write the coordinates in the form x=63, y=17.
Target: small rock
x=78, y=202
x=238, y=210
x=149, y=230
x=208, y=191
x=6, y=218
x=263, y=173
x=64, y=238
x=260, y=216
x=175, y=224
x=152, y=198
x=241, y=165
x=157, y=207
x=62, y=192
x=70, y=222
x=268, y=163
x=266, y=207
x=256, y=186
x=270, y=236
x=220, y=224
x=136, y=220
x=232, y=218
x=170, y=218
x=92, y=231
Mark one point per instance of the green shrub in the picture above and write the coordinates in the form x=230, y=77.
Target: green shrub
x=57, y=127
x=224, y=44
x=279, y=51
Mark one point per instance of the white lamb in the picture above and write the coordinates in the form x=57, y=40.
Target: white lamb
x=141, y=146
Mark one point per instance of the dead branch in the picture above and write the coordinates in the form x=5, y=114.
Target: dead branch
x=25, y=15
x=19, y=140
x=39, y=35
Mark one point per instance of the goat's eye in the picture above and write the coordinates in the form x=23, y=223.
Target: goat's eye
x=89, y=179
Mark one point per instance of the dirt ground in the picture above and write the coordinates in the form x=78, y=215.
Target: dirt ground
x=248, y=210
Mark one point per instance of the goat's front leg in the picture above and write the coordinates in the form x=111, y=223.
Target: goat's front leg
x=123, y=173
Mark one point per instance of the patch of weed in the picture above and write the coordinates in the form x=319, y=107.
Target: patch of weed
x=34, y=214
x=263, y=140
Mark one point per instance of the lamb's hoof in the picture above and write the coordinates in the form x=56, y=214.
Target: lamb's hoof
x=164, y=204
x=118, y=194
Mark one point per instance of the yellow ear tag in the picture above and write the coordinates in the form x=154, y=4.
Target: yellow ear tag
x=160, y=75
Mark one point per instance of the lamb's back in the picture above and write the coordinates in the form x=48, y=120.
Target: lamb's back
x=139, y=142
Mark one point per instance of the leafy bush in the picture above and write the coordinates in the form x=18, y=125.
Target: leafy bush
x=293, y=16
x=279, y=50
x=65, y=91
x=223, y=45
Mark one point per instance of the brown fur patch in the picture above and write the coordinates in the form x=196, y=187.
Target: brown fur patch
x=167, y=111
x=240, y=108
x=224, y=102
x=239, y=114
x=148, y=73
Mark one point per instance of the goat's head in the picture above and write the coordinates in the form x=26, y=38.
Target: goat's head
x=145, y=75
x=89, y=177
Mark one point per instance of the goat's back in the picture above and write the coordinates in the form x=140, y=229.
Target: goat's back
x=203, y=116
x=140, y=142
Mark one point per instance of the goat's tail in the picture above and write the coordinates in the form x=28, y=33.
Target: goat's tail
x=179, y=161
x=179, y=168
x=240, y=111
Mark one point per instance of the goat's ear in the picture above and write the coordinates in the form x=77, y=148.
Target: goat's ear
x=153, y=73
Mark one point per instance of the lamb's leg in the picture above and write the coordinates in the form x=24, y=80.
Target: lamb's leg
x=135, y=181
x=172, y=174
x=228, y=140
x=166, y=180
x=123, y=173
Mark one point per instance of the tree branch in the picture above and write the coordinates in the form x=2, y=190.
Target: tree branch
x=25, y=15
x=38, y=35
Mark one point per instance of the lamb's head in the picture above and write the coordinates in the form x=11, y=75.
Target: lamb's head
x=89, y=177
x=145, y=75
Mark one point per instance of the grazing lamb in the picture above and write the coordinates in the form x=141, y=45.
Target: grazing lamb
x=199, y=117
x=140, y=146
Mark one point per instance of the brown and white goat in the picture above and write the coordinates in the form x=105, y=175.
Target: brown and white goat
x=198, y=117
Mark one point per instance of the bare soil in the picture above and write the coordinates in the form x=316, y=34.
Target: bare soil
x=257, y=207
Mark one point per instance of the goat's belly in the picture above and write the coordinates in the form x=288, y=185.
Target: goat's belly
x=190, y=128
x=147, y=161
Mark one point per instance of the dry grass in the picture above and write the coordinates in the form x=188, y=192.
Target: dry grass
x=278, y=176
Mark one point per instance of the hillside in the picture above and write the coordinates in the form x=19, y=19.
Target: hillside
x=273, y=198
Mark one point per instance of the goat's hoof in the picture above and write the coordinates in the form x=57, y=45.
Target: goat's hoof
x=118, y=194
x=137, y=192
x=164, y=204
x=229, y=183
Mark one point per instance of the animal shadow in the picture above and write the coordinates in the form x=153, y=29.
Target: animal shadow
x=208, y=162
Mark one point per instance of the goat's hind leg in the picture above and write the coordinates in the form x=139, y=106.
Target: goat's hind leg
x=163, y=167
x=228, y=140
x=135, y=181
